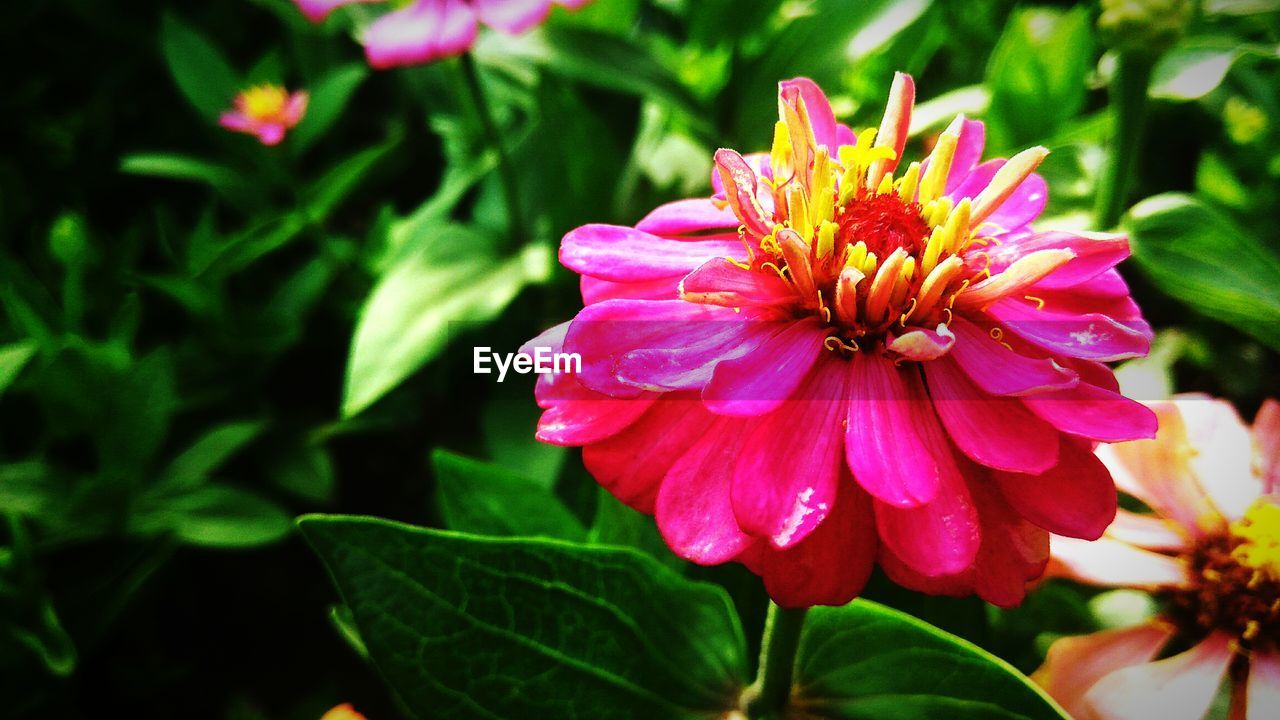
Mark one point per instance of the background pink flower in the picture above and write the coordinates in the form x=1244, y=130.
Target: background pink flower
x=425, y=30
x=826, y=364
x=267, y=112
x=1211, y=551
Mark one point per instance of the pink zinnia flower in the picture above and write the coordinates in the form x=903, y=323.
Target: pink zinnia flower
x=1210, y=551
x=826, y=364
x=265, y=111
x=420, y=31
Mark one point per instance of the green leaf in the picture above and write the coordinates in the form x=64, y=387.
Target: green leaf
x=1037, y=75
x=227, y=182
x=207, y=454
x=329, y=97
x=215, y=516
x=306, y=472
x=483, y=498
x=1194, y=68
x=140, y=406
x=202, y=73
x=618, y=525
x=1208, y=262
x=468, y=627
x=405, y=320
x=27, y=488
x=14, y=357
x=324, y=196
x=866, y=661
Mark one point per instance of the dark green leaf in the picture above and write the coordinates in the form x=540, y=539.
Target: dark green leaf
x=478, y=497
x=203, y=75
x=1208, y=262
x=618, y=525
x=468, y=627
x=405, y=320
x=208, y=453
x=336, y=185
x=866, y=661
x=13, y=358
x=215, y=516
x=227, y=182
x=141, y=404
x=329, y=97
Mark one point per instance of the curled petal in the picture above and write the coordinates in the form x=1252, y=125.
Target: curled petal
x=921, y=344
x=763, y=379
x=1090, y=336
x=721, y=282
x=1075, y=497
x=740, y=184
x=684, y=217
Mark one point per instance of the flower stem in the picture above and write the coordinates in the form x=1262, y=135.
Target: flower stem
x=767, y=697
x=1129, y=105
x=506, y=170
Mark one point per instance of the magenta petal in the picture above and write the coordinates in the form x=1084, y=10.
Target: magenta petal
x=1089, y=336
x=512, y=16
x=940, y=537
x=785, y=481
x=693, y=509
x=892, y=443
x=318, y=10
x=577, y=416
x=595, y=290
x=1075, y=498
x=623, y=254
x=832, y=565
x=1024, y=205
x=1095, y=254
x=816, y=105
x=720, y=282
x=741, y=186
x=632, y=463
x=420, y=32
x=602, y=333
x=763, y=379
x=997, y=432
x=973, y=137
x=1001, y=371
x=1092, y=412
x=689, y=367
x=682, y=217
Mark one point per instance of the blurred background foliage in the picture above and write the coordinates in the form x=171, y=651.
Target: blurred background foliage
x=203, y=337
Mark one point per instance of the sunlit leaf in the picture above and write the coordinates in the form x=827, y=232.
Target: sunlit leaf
x=14, y=357
x=468, y=627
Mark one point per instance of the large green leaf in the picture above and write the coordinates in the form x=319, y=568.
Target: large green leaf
x=469, y=627
x=865, y=661
x=329, y=97
x=1037, y=75
x=201, y=72
x=405, y=320
x=480, y=497
x=1204, y=259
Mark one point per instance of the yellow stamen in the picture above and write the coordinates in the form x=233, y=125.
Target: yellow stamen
x=826, y=239
x=909, y=182
x=1260, y=531
x=934, y=181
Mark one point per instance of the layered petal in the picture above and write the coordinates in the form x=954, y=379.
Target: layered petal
x=694, y=508
x=623, y=254
x=766, y=377
x=1075, y=497
x=1075, y=664
x=1112, y=563
x=1178, y=688
x=893, y=444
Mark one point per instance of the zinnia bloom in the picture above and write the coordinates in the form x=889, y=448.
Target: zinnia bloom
x=826, y=364
x=1210, y=551
x=267, y=112
x=420, y=31
x=342, y=712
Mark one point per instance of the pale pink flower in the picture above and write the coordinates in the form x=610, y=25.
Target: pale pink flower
x=420, y=31
x=826, y=364
x=1210, y=551
x=267, y=112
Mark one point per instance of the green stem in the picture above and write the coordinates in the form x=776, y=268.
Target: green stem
x=506, y=170
x=1129, y=105
x=767, y=697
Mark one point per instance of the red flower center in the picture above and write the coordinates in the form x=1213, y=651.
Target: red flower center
x=884, y=222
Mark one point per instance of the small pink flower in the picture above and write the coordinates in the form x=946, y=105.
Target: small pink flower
x=424, y=30
x=267, y=112
x=825, y=365
x=1210, y=551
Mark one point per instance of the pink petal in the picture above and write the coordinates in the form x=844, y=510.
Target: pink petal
x=758, y=162
x=999, y=370
x=1095, y=253
x=994, y=431
x=693, y=509
x=1023, y=206
x=720, y=282
x=973, y=137
x=817, y=107
x=632, y=463
x=1264, y=685
x=1223, y=461
x=420, y=32
x=511, y=16
x=602, y=333
x=831, y=566
x=318, y=10
x=595, y=290
x=690, y=366
x=683, y=217
x=763, y=379
x=1266, y=431
x=1158, y=472
x=1178, y=688
x=1147, y=532
x=941, y=537
x=1090, y=336
x=1089, y=411
x=623, y=254
x=1111, y=563
x=741, y=188
x=785, y=481
x=1075, y=664
x=1075, y=498
x=893, y=443
x=1013, y=551
x=577, y=416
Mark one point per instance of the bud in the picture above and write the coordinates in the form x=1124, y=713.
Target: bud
x=1143, y=27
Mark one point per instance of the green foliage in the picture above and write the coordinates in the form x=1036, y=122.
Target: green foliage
x=568, y=631
x=481, y=498
x=201, y=72
x=866, y=661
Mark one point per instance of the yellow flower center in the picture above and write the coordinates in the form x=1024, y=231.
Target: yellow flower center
x=264, y=102
x=1259, y=532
